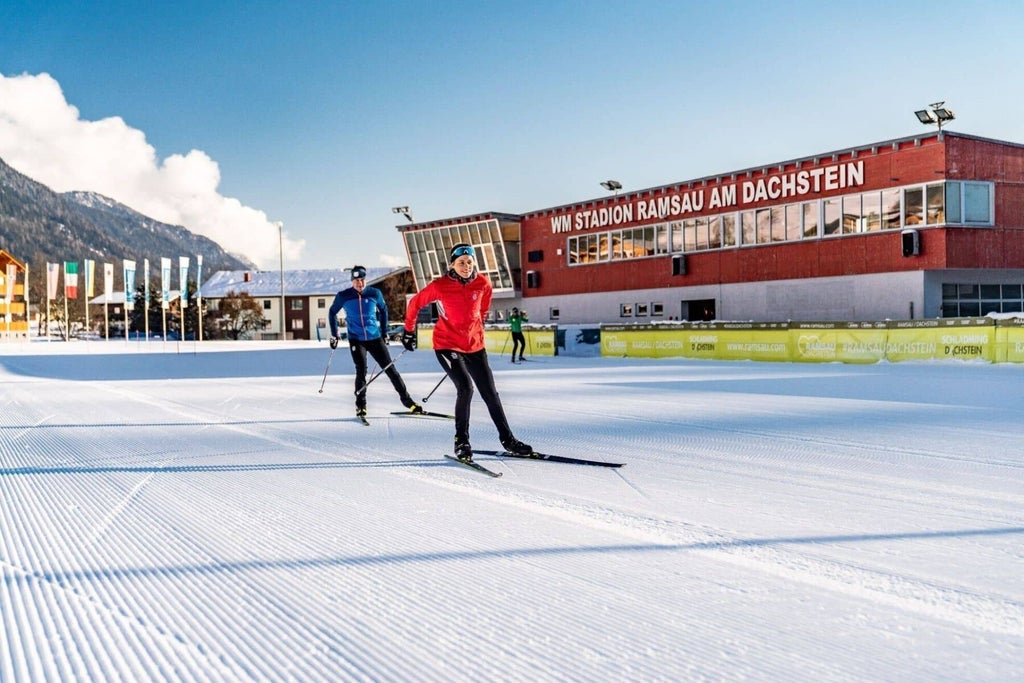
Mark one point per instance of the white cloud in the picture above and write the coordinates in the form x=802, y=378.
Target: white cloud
x=44, y=137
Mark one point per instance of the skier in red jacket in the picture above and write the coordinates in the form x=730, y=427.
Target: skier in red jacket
x=463, y=297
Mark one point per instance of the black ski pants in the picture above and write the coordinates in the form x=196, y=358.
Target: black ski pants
x=379, y=351
x=465, y=371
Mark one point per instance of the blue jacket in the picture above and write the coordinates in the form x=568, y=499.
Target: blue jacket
x=366, y=314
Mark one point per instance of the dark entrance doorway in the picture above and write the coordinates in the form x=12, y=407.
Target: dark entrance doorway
x=698, y=310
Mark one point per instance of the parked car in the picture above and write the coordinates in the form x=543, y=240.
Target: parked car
x=395, y=331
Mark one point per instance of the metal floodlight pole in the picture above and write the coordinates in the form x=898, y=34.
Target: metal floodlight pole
x=404, y=210
x=280, y=247
x=612, y=186
x=936, y=114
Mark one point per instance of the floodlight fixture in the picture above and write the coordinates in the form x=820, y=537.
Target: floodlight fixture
x=936, y=114
x=612, y=185
x=404, y=210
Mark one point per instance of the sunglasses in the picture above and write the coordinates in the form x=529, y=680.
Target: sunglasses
x=463, y=251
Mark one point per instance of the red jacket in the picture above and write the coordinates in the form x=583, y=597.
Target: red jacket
x=460, y=310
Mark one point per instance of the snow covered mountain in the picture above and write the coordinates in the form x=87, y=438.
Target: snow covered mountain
x=38, y=225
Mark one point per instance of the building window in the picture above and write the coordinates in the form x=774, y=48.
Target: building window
x=298, y=324
x=641, y=310
x=625, y=310
x=971, y=300
x=977, y=203
x=266, y=304
x=297, y=304
x=554, y=313
x=321, y=303
x=657, y=309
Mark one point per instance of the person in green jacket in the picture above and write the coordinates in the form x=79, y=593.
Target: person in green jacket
x=515, y=323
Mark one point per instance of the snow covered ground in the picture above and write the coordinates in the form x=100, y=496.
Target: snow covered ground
x=169, y=512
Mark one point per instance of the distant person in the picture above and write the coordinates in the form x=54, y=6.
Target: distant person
x=463, y=298
x=515, y=323
x=366, y=316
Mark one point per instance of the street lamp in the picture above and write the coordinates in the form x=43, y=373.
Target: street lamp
x=280, y=247
x=404, y=210
x=936, y=115
x=612, y=185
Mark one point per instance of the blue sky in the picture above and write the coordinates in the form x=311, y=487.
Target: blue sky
x=324, y=115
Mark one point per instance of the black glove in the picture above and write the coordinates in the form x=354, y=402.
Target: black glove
x=334, y=342
x=409, y=340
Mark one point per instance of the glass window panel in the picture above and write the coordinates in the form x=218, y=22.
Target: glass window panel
x=935, y=198
x=793, y=229
x=871, y=211
x=851, y=215
x=715, y=232
x=811, y=219
x=602, y=246
x=970, y=309
x=913, y=206
x=648, y=241
x=1011, y=291
x=749, y=227
x=976, y=203
x=677, y=236
x=950, y=310
x=833, y=217
x=991, y=307
x=689, y=235
x=949, y=291
x=953, y=202
x=967, y=291
x=574, y=250
x=661, y=238
x=778, y=220
x=990, y=291
x=764, y=226
x=702, y=233
x=1012, y=307
x=616, y=246
x=891, y=209
x=729, y=229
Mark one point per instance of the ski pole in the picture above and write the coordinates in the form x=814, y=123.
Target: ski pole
x=325, y=371
x=427, y=397
x=382, y=371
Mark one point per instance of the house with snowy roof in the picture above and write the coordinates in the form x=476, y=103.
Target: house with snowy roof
x=300, y=304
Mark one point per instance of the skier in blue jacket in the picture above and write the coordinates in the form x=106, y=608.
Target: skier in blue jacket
x=366, y=315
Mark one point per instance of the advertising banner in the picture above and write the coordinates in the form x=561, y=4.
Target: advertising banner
x=1010, y=341
x=165, y=282
x=183, y=279
x=129, y=286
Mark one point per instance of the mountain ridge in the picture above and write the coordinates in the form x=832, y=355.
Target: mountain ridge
x=38, y=224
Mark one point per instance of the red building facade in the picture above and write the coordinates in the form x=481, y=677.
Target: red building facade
x=926, y=226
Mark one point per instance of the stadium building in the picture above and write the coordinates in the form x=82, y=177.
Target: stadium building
x=919, y=227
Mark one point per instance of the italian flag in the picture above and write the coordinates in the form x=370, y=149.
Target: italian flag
x=71, y=279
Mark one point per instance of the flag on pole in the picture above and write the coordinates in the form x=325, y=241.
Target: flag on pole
x=90, y=278
x=71, y=279
x=183, y=279
x=165, y=282
x=145, y=280
x=199, y=280
x=129, y=285
x=52, y=274
x=108, y=281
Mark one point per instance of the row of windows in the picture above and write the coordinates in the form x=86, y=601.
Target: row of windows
x=429, y=249
x=968, y=203
x=972, y=301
